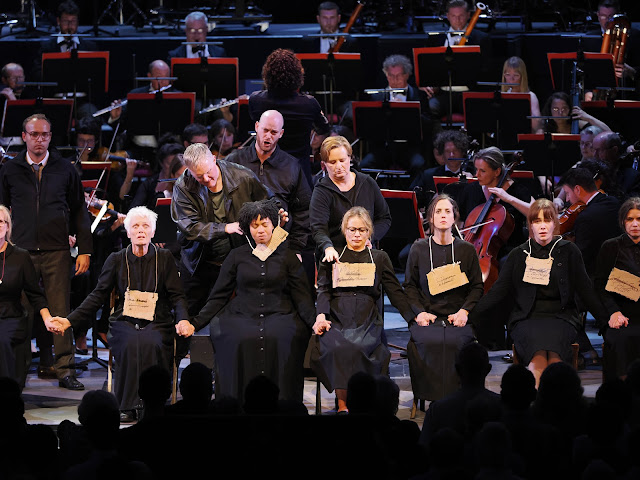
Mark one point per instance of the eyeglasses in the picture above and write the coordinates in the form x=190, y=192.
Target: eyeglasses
x=560, y=110
x=196, y=30
x=3, y=222
x=353, y=230
x=39, y=135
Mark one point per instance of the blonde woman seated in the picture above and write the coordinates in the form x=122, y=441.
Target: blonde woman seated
x=349, y=328
x=514, y=71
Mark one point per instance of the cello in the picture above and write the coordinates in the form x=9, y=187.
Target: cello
x=488, y=227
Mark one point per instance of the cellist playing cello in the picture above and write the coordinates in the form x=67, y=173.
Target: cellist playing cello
x=496, y=239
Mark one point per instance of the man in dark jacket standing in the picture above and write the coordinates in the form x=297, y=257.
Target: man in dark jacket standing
x=45, y=195
x=205, y=205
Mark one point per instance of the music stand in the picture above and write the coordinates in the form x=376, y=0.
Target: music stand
x=447, y=66
x=211, y=78
x=406, y=220
x=328, y=74
x=58, y=111
x=598, y=70
x=622, y=116
x=504, y=114
x=77, y=71
x=157, y=113
x=377, y=121
x=166, y=227
x=549, y=154
x=442, y=183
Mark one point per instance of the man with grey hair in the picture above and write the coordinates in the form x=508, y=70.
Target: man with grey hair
x=196, y=29
x=412, y=156
x=205, y=205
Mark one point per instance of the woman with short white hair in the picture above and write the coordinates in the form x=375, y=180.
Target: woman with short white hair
x=141, y=328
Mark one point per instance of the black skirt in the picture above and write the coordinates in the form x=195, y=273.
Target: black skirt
x=543, y=333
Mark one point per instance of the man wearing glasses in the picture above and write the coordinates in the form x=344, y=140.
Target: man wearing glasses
x=196, y=29
x=44, y=193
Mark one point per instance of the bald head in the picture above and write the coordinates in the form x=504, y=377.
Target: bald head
x=269, y=129
x=159, y=68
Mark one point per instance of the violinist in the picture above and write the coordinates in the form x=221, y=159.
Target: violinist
x=87, y=140
x=598, y=221
x=618, y=258
x=223, y=135
x=194, y=133
x=543, y=276
x=169, y=157
x=443, y=283
x=608, y=148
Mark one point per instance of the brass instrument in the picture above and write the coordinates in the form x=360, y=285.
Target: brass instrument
x=615, y=37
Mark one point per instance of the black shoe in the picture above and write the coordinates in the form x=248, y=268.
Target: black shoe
x=508, y=358
x=127, y=416
x=82, y=351
x=47, y=372
x=70, y=383
x=342, y=412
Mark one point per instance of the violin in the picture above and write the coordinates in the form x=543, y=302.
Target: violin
x=96, y=205
x=567, y=218
x=119, y=159
x=488, y=227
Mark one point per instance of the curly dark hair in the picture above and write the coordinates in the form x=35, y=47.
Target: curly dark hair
x=282, y=72
x=252, y=210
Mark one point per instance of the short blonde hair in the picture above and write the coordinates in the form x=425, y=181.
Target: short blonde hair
x=331, y=143
x=5, y=215
x=143, y=212
x=195, y=155
x=549, y=211
x=360, y=212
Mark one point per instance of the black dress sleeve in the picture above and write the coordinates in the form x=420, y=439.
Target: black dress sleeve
x=471, y=266
x=173, y=286
x=299, y=289
x=221, y=293
x=605, y=263
x=418, y=300
x=392, y=287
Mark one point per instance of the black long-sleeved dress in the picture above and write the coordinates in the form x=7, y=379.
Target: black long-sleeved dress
x=18, y=275
x=432, y=349
x=354, y=343
x=621, y=346
x=135, y=343
x=264, y=329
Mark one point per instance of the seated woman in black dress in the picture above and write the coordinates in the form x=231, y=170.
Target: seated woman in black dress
x=265, y=328
x=443, y=282
x=18, y=275
x=349, y=328
x=620, y=257
x=543, y=276
x=142, y=274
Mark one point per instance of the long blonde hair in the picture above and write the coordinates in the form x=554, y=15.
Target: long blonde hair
x=517, y=64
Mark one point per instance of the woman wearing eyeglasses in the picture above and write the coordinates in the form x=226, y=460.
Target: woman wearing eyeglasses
x=349, y=328
x=559, y=105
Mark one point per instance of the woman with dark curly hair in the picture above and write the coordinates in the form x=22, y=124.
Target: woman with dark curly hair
x=265, y=328
x=283, y=76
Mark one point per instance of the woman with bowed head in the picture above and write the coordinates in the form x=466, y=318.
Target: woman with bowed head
x=443, y=282
x=264, y=328
x=17, y=275
x=336, y=193
x=349, y=328
x=149, y=301
x=543, y=276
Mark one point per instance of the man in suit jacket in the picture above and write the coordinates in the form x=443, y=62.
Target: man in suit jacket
x=414, y=155
x=67, y=18
x=608, y=149
x=196, y=29
x=458, y=15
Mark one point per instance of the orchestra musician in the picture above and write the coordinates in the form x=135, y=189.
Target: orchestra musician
x=194, y=133
x=223, y=135
x=543, y=276
x=619, y=257
x=559, y=105
x=196, y=29
x=608, y=148
x=11, y=75
x=441, y=306
x=67, y=20
x=514, y=70
x=328, y=19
